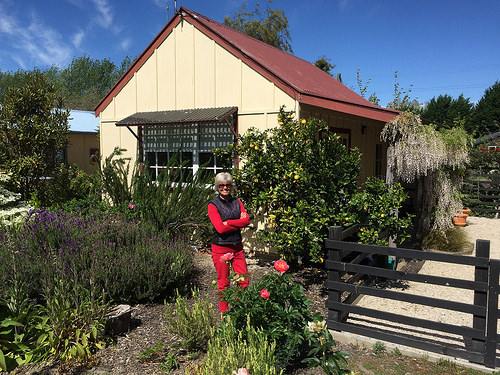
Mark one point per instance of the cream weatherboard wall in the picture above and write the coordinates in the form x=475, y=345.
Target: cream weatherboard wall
x=190, y=70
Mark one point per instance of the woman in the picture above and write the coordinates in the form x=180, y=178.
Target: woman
x=228, y=216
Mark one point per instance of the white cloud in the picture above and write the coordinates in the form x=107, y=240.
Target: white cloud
x=35, y=44
x=161, y=3
x=7, y=23
x=45, y=44
x=77, y=38
x=125, y=44
x=105, y=16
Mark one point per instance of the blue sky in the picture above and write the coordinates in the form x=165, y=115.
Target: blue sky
x=438, y=46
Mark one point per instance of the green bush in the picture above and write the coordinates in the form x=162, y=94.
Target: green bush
x=68, y=183
x=176, y=201
x=278, y=307
x=23, y=336
x=129, y=261
x=301, y=176
x=321, y=353
x=76, y=322
x=232, y=349
x=375, y=208
x=193, y=324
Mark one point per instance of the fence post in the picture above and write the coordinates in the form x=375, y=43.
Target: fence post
x=480, y=298
x=491, y=318
x=334, y=233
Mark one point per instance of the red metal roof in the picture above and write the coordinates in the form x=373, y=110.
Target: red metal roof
x=299, y=78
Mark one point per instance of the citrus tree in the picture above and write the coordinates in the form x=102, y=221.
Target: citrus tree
x=301, y=177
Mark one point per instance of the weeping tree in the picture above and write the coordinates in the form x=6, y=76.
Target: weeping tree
x=432, y=159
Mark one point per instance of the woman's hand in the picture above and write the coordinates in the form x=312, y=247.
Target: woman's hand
x=224, y=222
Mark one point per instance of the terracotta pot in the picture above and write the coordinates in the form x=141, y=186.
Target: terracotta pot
x=460, y=220
x=466, y=211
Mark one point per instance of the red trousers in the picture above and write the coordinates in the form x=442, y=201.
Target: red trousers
x=238, y=263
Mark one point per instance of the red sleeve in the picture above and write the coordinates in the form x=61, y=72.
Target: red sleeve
x=214, y=216
x=240, y=223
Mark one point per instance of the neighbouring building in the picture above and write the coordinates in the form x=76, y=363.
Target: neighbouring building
x=83, y=140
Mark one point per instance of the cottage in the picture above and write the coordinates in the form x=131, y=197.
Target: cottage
x=83, y=140
x=200, y=83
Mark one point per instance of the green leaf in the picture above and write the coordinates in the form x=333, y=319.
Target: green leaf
x=3, y=364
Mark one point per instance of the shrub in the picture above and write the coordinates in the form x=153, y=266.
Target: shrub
x=23, y=336
x=322, y=354
x=193, y=324
x=453, y=240
x=68, y=183
x=232, y=349
x=76, y=322
x=128, y=261
x=301, y=176
x=176, y=201
x=375, y=208
x=278, y=307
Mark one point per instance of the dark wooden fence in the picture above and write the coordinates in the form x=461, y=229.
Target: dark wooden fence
x=349, y=263
x=482, y=192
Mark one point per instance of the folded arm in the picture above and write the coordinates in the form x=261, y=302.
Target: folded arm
x=244, y=219
x=219, y=225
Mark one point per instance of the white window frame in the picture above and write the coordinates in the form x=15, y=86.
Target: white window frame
x=191, y=138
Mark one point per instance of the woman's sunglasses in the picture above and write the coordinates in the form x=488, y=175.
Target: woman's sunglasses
x=225, y=186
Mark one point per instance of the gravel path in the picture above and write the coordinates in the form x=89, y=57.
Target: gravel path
x=477, y=228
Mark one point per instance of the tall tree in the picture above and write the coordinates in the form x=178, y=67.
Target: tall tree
x=324, y=64
x=18, y=78
x=446, y=112
x=269, y=25
x=86, y=81
x=486, y=116
x=402, y=100
x=33, y=128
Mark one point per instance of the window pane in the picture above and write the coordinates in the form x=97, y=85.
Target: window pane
x=162, y=158
x=153, y=173
x=206, y=159
x=187, y=157
x=151, y=158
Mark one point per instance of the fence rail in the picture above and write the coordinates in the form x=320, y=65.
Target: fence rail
x=482, y=192
x=346, y=260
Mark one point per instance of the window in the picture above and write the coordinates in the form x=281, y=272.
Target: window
x=192, y=144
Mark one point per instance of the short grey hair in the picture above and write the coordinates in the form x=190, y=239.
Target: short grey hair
x=221, y=178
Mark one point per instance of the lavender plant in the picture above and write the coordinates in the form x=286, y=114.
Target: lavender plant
x=128, y=261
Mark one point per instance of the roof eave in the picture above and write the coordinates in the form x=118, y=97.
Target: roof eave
x=374, y=113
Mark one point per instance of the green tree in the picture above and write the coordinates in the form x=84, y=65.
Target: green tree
x=324, y=64
x=363, y=88
x=446, y=112
x=301, y=181
x=86, y=81
x=18, y=78
x=402, y=100
x=33, y=127
x=485, y=118
x=269, y=26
